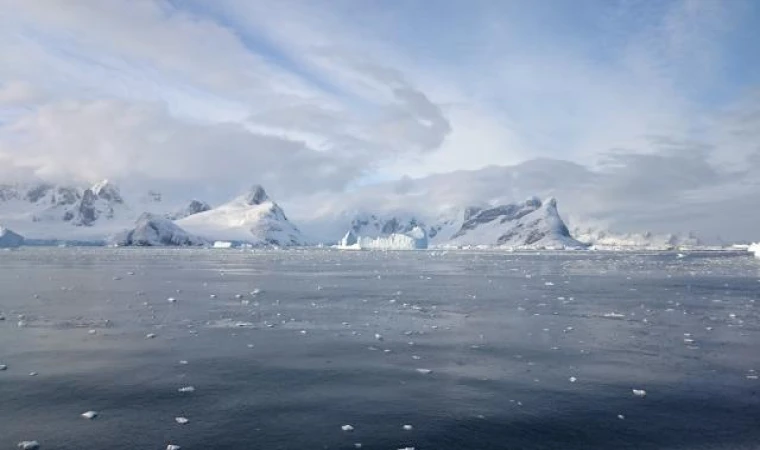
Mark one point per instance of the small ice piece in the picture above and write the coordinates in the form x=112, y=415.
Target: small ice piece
x=32, y=374
x=150, y=336
x=406, y=448
x=171, y=300
x=28, y=445
x=408, y=427
x=415, y=357
x=181, y=420
x=186, y=389
x=93, y=332
x=90, y=415
x=256, y=292
x=173, y=447
x=358, y=445
x=573, y=379
x=549, y=283
x=212, y=296
x=424, y=371
x=238, y=296
x=621, y=417
x=378, y=336
x=347, y=428
x=3, y=367
x=183, y=362
x=639, y=392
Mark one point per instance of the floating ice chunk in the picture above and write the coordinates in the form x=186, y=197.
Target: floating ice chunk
x=212, y=296
x=90, y=414
x=28, y=445
x=181, y=420
x=639, y=392
x=613, y=315
x=173, y=447
x=621, y=417
x=408, y=427
x=186, y=389
x=424, y=371
x=548, y=283
x=573, y=379
x=32, y=374
x=3, y=367
x=378, y=336
x=171, y=300
x=256, y=292
x=93, y=332
x=150, y=336
x=183, y=362
x=347, y=428
x=406, y=448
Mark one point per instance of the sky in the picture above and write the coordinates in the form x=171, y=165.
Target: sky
x=656, y=103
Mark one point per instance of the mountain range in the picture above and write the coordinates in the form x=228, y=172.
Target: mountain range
x=45, y=212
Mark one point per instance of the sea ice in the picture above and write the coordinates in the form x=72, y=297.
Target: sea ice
x=90, y=415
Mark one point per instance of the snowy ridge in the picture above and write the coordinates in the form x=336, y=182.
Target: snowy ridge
x=151, y=230
x=252, y=218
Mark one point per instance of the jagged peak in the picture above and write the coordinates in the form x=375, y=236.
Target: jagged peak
x=106, y=190
x=256, y=195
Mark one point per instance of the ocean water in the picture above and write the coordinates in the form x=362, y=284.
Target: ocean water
x=473, y=350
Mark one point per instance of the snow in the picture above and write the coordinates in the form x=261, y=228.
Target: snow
x=9, y=239
x=251, y=218
x=222, y=244
x=194, y=207
x=151, y=230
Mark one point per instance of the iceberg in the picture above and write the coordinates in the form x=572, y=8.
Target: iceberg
x=755, y=248
x=415, y=239
x=9, y=239
x=151, y=230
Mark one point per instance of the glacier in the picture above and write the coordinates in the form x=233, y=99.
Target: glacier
x=151, y=230
x=9, y=239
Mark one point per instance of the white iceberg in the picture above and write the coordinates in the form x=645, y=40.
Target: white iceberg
x=415, y=239
x=754, y=248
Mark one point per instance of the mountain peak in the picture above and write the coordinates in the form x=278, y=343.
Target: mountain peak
x=107, y=191
x=256, y=195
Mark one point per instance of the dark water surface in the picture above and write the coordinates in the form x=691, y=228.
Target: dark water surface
x=503, y=334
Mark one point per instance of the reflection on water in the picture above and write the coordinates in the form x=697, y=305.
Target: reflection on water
x=285, y=348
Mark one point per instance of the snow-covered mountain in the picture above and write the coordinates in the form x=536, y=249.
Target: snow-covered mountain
x=530, y=224
x=153, y=230
x=49, y=212
x=9, y=239
x=251, y=218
